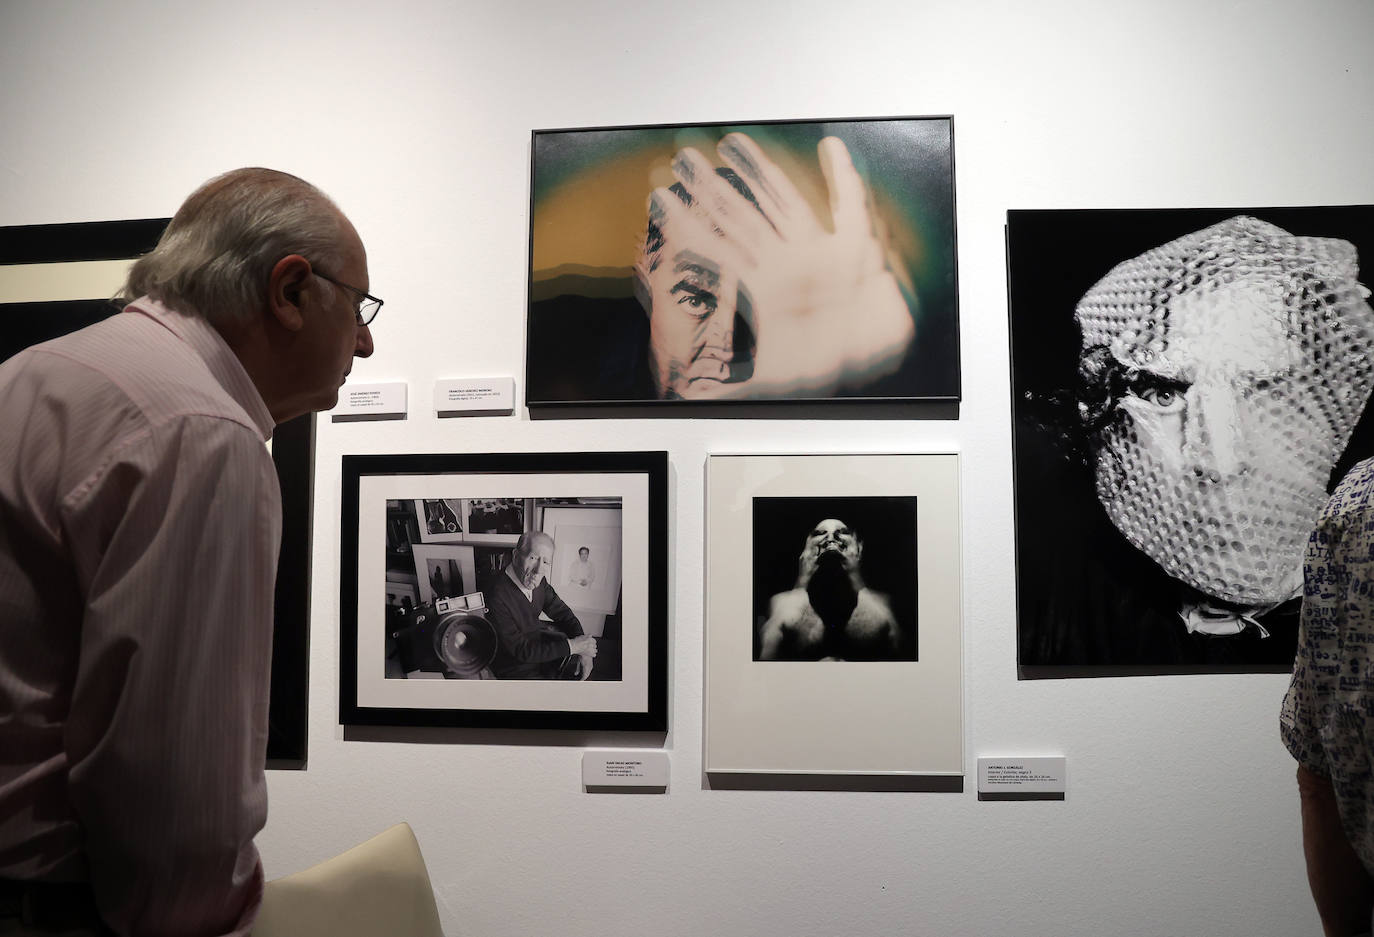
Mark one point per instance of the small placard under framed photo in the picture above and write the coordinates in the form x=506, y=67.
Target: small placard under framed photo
x=558, y=621
x=833, y=622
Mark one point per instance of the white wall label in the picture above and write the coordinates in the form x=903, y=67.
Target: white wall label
x=1023, y=776
x=370, y=400
x=475, y=395
x=625, y=769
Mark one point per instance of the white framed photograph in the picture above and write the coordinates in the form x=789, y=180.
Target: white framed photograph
x=555, y=625
x=586, y=564
x=834, y=615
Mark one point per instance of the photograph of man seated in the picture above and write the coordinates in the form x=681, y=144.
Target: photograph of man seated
x=530, y=647
x=515, y=625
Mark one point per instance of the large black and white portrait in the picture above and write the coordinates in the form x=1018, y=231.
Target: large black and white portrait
x=1188, y=386
x=834, y=578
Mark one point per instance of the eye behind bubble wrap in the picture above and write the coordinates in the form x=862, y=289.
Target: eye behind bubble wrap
x=1237, y=535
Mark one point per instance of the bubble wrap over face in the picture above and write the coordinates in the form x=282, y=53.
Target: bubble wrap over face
x=1246, y=360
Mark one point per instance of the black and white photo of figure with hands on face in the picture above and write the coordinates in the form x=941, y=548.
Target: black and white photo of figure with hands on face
x=850, y=593
x=770, y=262
x=1189, y=387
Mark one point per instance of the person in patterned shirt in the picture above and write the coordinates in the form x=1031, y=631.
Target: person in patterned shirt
x=1328, y=714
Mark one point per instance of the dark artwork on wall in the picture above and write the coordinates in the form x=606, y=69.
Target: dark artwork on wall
x=770, y=262
x=835, y=579
x=1188, y=387
x=73, y=257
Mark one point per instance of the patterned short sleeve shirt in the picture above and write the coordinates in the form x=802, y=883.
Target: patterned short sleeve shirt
x=1328, y=714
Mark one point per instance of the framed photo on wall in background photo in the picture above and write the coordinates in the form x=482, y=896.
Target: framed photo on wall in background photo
x=57, y=278
x=505, y=590
x=833, y=615
x=677, y=266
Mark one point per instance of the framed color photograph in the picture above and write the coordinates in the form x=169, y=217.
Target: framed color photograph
x=58, y=278
x=547, y=608
x=768, y=262
x=1188, y=387
x=834, y=615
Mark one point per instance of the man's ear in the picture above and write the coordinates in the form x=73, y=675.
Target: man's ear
x=287, y=285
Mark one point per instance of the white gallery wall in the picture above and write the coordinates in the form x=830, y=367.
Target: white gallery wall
x=1181, y=815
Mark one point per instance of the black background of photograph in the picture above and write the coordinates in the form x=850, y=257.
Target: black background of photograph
x=885, y=524
x=1076, y=575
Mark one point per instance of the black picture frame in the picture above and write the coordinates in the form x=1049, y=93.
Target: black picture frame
x=587, y=332
x=31, y=322
x=377, y=493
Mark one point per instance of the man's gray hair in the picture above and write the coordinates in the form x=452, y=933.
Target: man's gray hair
x=217, y=254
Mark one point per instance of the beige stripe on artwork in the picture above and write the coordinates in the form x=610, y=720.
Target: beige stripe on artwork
x=45, y=283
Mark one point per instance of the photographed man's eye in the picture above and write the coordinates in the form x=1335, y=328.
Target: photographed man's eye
x=699, y=303
x=1164, y=395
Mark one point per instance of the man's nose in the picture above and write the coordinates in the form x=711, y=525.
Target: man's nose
x=720, y=327
x=1214, y=444
x=363, y=348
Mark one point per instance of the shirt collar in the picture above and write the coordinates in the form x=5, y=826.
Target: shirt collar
x=205, y=340
x=529, y=593
x=1206, y=618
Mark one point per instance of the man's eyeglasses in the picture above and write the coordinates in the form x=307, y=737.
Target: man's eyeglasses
x=368, y=305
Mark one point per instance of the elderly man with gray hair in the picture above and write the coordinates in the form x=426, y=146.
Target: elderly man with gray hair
x=140, y=520
x=531, y=647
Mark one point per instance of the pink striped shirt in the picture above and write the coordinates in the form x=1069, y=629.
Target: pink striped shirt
x=140, y=519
